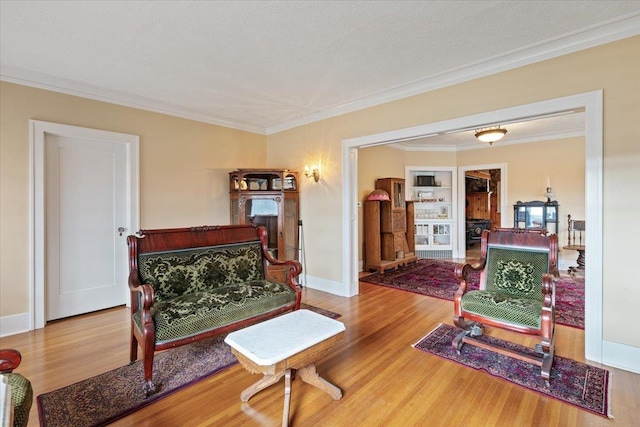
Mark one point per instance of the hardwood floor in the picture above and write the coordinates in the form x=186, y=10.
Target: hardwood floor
x=385, y=381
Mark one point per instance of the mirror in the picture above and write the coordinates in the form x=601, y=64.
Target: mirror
x=536, y=214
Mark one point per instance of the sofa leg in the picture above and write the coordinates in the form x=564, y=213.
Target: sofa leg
x=133, y=350
x=149, y=386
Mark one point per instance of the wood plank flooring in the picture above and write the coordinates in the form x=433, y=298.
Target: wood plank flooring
x=385, y=381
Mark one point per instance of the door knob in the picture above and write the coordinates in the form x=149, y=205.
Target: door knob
x=121, y=230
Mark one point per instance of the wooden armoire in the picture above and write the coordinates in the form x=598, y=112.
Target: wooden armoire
x=389, y=228
x=270, y=198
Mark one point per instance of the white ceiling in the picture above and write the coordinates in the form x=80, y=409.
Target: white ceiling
x=270, y=66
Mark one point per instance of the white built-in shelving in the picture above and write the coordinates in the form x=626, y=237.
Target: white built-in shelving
x=434, y=192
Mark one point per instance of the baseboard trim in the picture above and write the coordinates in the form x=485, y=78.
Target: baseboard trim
x=14, y=324
x=621, y=356
x=324, y=285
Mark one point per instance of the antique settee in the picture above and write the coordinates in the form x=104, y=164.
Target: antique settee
x=188, y=284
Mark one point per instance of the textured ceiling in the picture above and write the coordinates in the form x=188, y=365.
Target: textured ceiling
x=269, y=66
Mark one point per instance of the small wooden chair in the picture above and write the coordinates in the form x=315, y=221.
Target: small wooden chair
x=576, y=229
x=517, y=292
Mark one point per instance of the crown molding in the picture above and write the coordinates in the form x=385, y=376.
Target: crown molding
x=626, y=26
x=44, y=81
x=609, y=31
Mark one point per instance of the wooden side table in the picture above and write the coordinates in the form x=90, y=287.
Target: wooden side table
x=581, y=260
x=295, y=340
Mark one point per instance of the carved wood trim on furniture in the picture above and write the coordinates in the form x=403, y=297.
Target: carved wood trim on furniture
x=188, y=284
x=517, y=270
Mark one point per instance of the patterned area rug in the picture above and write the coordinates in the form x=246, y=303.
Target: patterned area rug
x=107, y=397
x=584, y=386
x=436, y=278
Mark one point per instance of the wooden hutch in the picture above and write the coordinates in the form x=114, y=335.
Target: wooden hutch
x=389, y=228
x=270, y=198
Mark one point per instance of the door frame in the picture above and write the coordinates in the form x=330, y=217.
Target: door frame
x=593, y=105
x=38, y=130
x=462, y=193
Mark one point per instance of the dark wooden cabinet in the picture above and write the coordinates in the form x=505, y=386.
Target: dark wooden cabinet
x=536, y=214
x=270, y=198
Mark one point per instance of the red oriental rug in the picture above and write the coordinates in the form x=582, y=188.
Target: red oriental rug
x=435, y=278
x=105, y=398
x=576, y=383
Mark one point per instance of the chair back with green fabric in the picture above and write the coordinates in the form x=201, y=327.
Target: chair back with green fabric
x=517, y=269
x=516, y=272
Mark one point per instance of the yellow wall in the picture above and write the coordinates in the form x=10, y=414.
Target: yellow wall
x=528, y=166
x=189, y=161
x=184, y=169
x=613, y=67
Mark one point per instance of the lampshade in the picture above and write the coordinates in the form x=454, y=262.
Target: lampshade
x=490, y=135
x=379, y=195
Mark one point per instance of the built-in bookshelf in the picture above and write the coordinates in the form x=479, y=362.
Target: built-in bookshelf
x=433, y=191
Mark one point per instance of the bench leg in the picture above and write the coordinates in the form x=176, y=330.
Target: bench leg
x=261, y=384
x=287, y=397
x=309, y=375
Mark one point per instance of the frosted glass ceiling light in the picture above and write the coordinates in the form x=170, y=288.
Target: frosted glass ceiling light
x=490, y=135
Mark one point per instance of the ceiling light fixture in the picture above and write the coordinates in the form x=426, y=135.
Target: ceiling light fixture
x=490, y=135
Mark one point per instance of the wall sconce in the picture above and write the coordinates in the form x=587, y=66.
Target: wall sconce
x=314, y=172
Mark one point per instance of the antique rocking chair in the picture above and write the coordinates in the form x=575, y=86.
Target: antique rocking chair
x=517, y=292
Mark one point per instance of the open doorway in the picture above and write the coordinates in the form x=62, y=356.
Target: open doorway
x=491, y=206
x=592, y=104
x=482, y=206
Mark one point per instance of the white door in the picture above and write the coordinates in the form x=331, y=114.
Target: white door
x=86, y=204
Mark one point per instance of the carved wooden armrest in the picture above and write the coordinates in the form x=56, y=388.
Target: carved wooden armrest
x=548, y=289
x=147, y=297
x=462, y=271
x=295, y=268
x=9, y=359
x=147, y=294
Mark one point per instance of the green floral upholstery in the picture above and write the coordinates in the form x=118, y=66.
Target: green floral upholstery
x=516, y=272
x=497, y=306
x=189, y=271
x=21, y=398
x=517, y=269
x=193, y=313
x=513, y=291
x=201, y=289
